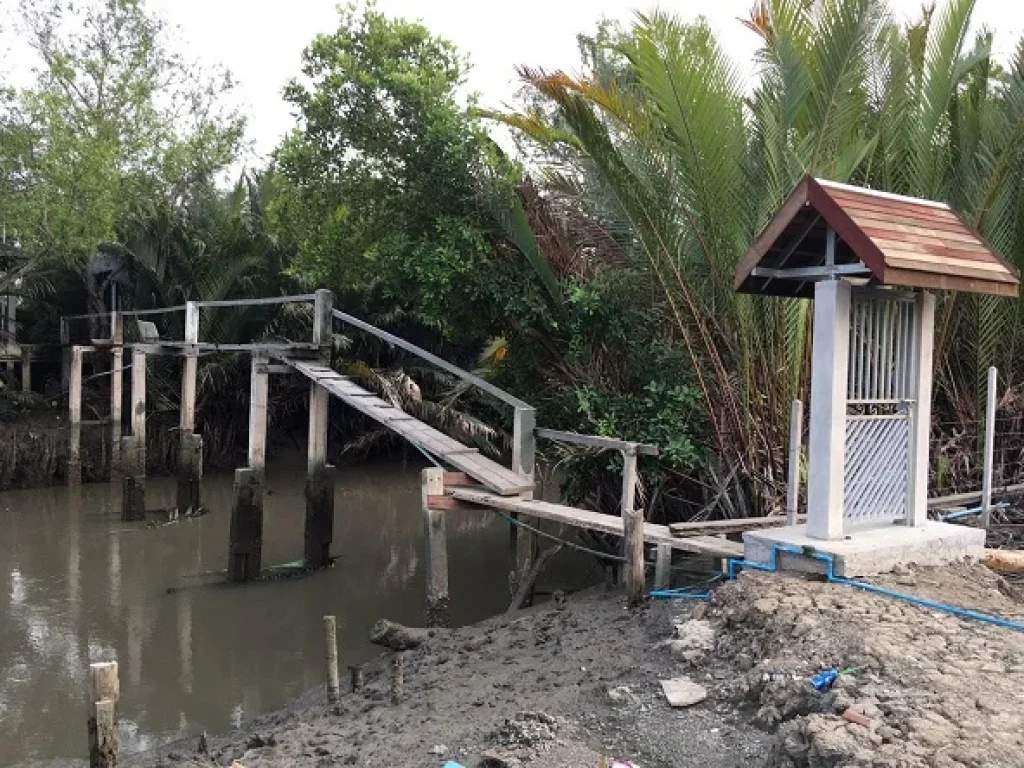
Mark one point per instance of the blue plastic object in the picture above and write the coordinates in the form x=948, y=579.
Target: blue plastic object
x=453, y=764
x=823, y=680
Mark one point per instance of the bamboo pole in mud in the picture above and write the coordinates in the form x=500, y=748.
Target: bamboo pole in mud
x=435, y=537
x=355, y=673
x=104, y=692
x=633, y=531
x=331, y=641
x=75, y=418
x=133, y=481
x=116, y=393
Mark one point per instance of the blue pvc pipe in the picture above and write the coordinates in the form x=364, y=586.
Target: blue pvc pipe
x=830, y=576
x=679, y=594
x=972, y=511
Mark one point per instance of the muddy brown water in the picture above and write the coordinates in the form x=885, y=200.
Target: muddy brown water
x=78, y=585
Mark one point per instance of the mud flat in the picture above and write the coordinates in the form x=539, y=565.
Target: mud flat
x=577, y=682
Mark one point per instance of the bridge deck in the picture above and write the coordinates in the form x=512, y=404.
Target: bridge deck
x=485, y=471
x=596, y=521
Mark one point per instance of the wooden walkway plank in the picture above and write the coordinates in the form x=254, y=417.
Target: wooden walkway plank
x=596, y=521
x=488, y=473
x=735, y=525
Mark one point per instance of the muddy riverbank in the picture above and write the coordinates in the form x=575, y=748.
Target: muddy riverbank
x=577, y=684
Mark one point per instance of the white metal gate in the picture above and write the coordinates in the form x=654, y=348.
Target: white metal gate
x=879, y=405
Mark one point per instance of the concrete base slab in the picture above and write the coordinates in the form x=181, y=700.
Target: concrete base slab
x=868, y=550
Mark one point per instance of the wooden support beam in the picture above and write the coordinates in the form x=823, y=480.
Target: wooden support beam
x=323, y=319
x=258, y=393
x=459, y=478
x=633, y=532
x=245, y=548
x=448, y=504
x=75, y=419
x=435, y=536
x=524, y=547
x=319, y=528
x=331, y=643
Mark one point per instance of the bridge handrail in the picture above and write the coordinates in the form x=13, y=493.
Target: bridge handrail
x=433, y=359
x=296, y=299
x=595, y=441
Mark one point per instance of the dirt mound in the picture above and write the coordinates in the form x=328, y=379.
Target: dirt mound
x=930, y=689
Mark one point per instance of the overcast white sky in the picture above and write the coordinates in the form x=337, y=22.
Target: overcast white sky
x=261, y=41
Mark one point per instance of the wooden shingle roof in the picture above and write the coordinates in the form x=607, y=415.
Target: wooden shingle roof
x=882, y=238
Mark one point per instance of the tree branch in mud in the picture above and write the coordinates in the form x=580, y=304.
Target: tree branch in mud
x=527, y=584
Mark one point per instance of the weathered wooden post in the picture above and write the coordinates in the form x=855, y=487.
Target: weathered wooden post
x=75, y=419
x=633, y=530
x=26, y=369
x=435, y=537
x=523, y=542
x=245, y=549
x=116, y=392
x=104, y=692
x=331, y=641
x=190, y=448
x=397, y=677
x=319, y=528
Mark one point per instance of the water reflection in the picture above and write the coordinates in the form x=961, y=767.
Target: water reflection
x=81, y=586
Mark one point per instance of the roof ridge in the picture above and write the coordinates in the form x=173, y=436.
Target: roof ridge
x=884, y=195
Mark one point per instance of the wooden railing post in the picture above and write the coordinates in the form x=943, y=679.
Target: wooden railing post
x=26, y=369
x=75, y=419
x=104, y=693
x=633, y=531
x=65, y=354
x=524, y=441
x=190, y=446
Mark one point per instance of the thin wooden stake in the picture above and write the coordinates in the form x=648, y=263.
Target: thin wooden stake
x=356, y=676
x=331, y=640
x=397, y=677
x=796, y=420
x=990, y=440
x=435, y=535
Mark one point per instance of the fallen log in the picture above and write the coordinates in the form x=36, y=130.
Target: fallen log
x=398, y=637
x=1004, y=560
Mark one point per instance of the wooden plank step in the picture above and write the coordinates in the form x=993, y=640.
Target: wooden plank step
x=596, y=521
x=736, y=525
x=488, y=473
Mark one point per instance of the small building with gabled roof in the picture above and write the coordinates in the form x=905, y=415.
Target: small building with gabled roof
x=884, y=239
x=869, y=260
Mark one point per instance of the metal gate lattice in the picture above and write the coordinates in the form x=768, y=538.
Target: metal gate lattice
x=880, y=404
x=876, y=475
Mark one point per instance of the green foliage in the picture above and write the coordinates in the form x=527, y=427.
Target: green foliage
x=380, y=194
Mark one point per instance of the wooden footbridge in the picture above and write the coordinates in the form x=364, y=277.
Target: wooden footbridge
x=473, y=481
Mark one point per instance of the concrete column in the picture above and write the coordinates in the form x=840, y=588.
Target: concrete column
x=920, y=425
x=190, y=447
x=319, y=483
x=116, y=393
x=75, y=419
x=139, y=403
x=245, y=549
x=435, y=536
x=827, y=444
x=259, y=389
